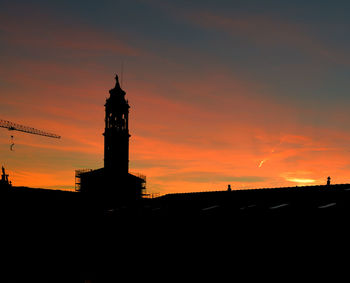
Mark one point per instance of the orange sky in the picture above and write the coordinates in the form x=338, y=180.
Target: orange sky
x=214, y=101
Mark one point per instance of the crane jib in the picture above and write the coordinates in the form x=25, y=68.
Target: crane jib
x=16, y=127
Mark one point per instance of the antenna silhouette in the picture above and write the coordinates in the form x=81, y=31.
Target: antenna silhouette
x=122, y=73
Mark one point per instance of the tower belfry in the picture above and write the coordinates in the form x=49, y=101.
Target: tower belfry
x=116, y=135
x=113, y=185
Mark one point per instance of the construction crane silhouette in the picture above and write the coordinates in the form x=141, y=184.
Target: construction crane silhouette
x=17, y=127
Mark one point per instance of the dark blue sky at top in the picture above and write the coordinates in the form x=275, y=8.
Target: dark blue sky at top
x=164, y=28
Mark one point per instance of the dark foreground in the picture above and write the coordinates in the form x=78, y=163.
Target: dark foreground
x=66, y=237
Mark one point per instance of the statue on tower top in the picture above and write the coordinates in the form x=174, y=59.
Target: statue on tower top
x=117, y=89
x=116, y=80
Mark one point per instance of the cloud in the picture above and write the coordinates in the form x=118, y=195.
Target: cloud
x=267, y=30
x=226, y=134
x=56, y=180
x=43, y=30
x=209, y=176
x=301, y=181
x=263, y=29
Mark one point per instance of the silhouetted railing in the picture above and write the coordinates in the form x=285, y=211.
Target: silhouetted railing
x=77, y=178
x=152, y=195
x=143, y=177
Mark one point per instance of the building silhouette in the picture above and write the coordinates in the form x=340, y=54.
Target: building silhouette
x=186, y=226
x=4, y=181
x=113, y=182
x=116, y=135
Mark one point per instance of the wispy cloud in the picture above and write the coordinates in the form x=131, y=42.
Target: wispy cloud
x=264, y=29
x=36, y=28
x=268, y=31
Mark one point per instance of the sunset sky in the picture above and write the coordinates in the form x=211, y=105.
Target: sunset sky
x=249, y=93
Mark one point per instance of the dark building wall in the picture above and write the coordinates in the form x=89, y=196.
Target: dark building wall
x=110, y=188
